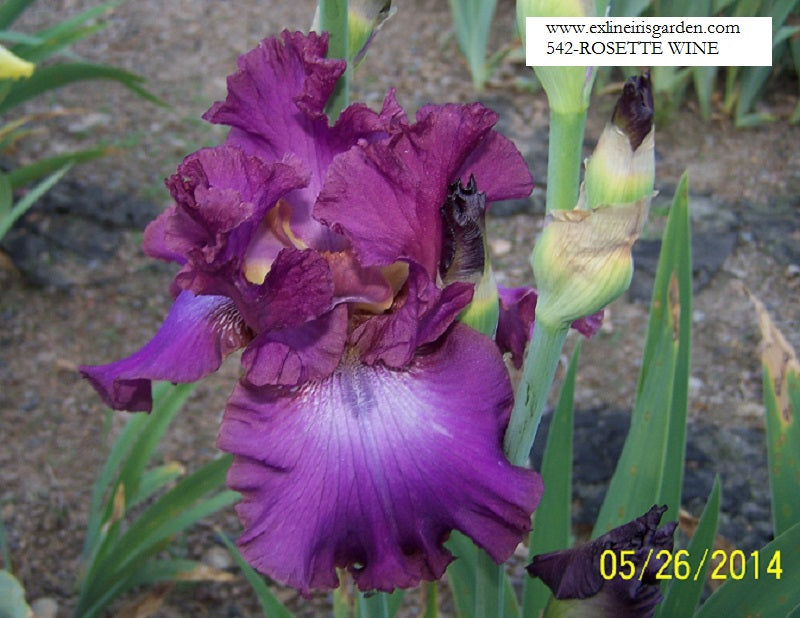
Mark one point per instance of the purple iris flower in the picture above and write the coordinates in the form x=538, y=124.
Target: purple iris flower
x=368, y=422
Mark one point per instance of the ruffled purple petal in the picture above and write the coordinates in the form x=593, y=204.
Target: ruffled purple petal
x=371, y=468
x=298, y=288
x=499, y=168
x=398, y=186
x=198, y=333
x=421, y=314
x=275, y=107
x=517, y=312
x=156, y=240
x=295, y=355
x=221, y=198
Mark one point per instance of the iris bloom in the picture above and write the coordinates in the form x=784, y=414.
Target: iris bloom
x=576, y=578
x=368, y=421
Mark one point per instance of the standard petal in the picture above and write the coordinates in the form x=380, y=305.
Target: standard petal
x=278, y=93
x=371, y=468
x=198, y=333
x=275, y=107
x=399, y=185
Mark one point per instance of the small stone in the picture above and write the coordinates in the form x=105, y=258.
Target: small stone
x=500, y=246
x=793, y=270
x=696, y=385
x=218, y=558
x=45, y=607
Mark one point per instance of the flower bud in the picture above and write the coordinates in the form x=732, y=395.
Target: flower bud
x=622, y=168
x=582, y=261
x=364, y=19
x=567, y=88
x=12, y=66
x=465, y=254
x=583, y=584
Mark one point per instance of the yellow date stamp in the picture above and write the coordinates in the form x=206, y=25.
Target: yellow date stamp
x=722, y=564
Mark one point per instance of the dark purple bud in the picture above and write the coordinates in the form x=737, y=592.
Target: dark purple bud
x=463, y=218
x=574, y=574
x=633, y=113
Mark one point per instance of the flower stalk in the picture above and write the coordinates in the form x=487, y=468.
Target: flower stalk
x=334, y=21
x=564, y=158
x=582, y=260
x=531, y=396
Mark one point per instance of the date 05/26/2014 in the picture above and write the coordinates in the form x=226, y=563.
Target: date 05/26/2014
x=722, y=564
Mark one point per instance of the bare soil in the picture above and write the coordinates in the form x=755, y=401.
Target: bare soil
x=51, y=422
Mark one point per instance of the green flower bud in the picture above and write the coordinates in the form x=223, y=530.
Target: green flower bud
x=622, y=168
x=465, y=254
x=12, y=66
x=582, y=260
x=364, y=19
x=567, y=88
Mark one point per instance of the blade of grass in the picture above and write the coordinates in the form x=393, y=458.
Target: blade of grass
x=650, y=467
x=10, y=10
x=771, y=594
x=27, y=174
x=109, y=580
x=372, y=605
x=781, y=388
x=155, y=571
x=158, y=421
x=461, y=577
x=103, y=481
x=173, y=512
x=431, y=600
x=49, y=47
x=460, y=574
x=5, y=555
x=10, y=36
x=56, y=76
x=12, y=597
x=683, y=595
x=64, y=33
x=270, y=605
x=29, y=199
x=156, y=479
x=6, y=197
x=680, y=310
x=394, y=600
x=551, y=520
x=704, y=79
x=472, y=20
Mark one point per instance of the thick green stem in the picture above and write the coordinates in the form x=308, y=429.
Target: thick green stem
x=565, y=157
x=333, y=20
x=537, y=377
